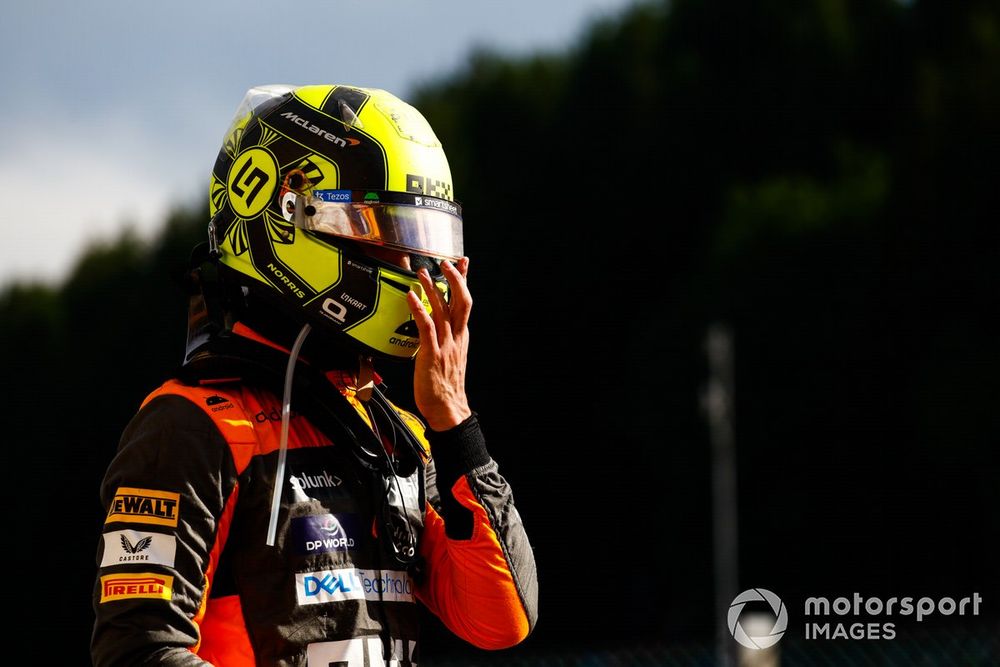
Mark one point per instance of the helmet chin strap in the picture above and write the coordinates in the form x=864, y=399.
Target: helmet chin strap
x=366, y=378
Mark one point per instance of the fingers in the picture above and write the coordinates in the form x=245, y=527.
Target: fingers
x=425, y=325
x=461, y=298
x=446, y=319
x=440, y=311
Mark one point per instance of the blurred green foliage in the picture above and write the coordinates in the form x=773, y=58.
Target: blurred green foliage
x=821, y=175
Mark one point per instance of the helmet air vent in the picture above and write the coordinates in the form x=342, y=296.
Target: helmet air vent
x=350, y=118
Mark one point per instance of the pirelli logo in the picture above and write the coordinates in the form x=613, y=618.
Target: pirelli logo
x=132, y=585
x=144, y=506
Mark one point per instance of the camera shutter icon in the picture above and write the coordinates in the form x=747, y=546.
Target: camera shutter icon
x=759, y=641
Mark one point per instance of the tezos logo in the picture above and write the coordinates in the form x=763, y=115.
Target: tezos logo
x=757, y=641
x=332, y=195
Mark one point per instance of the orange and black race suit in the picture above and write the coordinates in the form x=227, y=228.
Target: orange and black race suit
x=186, y=576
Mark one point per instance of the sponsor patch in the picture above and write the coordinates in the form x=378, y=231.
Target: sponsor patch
x=133, y=546
x=144, y=506
x=353, y=584
x=323, y=533
x=218, y=403
x=132, y=585
x=332, y=195
x=314, y=484
x=362, y=651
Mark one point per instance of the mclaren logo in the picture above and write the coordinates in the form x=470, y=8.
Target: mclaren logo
x=317, y=130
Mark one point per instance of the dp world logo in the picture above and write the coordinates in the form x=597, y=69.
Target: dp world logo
x=768, y=638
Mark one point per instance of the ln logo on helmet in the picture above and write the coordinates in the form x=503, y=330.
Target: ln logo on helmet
x=757, y=641
x=251, y=182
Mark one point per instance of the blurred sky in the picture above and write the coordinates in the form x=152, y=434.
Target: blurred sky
x=113, y=110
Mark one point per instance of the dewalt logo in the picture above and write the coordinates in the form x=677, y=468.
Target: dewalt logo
x=144, y=506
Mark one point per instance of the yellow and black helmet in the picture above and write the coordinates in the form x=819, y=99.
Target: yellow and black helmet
x=305, y=175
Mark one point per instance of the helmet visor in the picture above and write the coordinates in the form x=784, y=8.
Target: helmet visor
x=415, y=223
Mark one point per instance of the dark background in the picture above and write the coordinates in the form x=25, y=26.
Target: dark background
x=820, y=176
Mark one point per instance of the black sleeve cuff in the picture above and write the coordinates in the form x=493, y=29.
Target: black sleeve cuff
x=457, y=451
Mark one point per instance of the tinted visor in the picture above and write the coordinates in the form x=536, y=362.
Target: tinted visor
x=414, y=223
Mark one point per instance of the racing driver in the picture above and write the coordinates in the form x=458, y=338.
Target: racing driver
x=269, y=505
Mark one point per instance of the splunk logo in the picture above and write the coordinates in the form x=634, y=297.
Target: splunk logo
x=353, y=584
x=758, y=636
x=320, y=480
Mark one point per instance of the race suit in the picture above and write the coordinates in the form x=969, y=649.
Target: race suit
x=186, y=576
